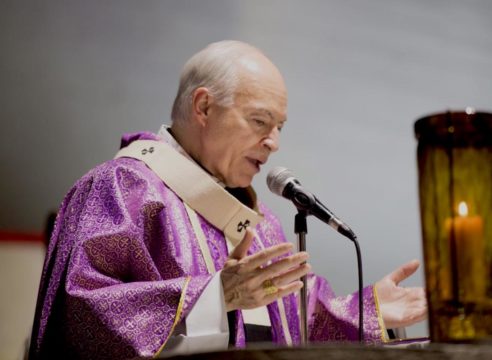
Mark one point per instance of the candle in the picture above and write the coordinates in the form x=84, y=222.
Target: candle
x=467, y=233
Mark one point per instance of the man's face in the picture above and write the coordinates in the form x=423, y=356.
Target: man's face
x=240, y=138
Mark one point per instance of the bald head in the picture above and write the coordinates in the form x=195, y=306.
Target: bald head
x=230, y=108
x=221, y=67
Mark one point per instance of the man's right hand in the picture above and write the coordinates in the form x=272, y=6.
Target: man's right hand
x=243, y=277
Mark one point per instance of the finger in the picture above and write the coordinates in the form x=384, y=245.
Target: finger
x=291, y=276
x=404, y=271
x=284, y=291
x=242, y=248
x=283, y=265
x=262, y=257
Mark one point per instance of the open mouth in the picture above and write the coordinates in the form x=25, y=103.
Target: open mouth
x=255, y=163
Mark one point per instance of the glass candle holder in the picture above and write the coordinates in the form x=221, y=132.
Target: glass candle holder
x=455, y=190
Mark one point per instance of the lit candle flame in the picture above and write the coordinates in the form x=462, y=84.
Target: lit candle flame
x=462, y=209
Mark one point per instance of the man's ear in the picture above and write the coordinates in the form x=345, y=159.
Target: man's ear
x=201, y=103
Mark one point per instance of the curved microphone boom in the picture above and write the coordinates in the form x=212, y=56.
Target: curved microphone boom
x=283, y=183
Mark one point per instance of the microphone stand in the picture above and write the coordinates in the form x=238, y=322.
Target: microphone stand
x=300, y=228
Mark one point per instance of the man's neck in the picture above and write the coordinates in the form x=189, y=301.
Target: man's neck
x=174, y=135
x=183, y=135
x=245, y=195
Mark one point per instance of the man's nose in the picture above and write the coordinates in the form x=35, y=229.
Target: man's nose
x=272, y=140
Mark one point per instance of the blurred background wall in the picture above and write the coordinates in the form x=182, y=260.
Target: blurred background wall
x=75, y=75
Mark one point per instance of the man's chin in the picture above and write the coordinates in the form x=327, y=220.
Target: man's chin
x=243, y=182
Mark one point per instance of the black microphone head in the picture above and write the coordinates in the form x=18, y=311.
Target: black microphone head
x=278, y=178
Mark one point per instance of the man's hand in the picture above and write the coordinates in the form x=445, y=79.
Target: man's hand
x=401, y=306
x=243, y=277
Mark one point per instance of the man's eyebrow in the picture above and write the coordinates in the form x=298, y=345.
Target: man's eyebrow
x=263, y=111
x=268, y=113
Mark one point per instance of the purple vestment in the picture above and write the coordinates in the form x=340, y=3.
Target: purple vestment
x=124, y=267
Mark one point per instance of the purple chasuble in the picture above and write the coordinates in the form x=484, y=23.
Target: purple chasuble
x=124, y=267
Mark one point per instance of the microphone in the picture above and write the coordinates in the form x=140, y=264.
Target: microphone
x=282, y=182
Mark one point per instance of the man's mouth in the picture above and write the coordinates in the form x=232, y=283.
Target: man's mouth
x=255, y=162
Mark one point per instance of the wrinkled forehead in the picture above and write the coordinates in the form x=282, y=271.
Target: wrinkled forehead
x=261, y=89
x=264, y=96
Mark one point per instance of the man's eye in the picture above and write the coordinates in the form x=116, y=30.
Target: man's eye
x=259, y=122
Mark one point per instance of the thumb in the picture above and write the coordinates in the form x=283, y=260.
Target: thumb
x=404, y=271
x=242, y=248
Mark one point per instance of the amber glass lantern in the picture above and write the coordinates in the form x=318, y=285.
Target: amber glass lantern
x=455, y=185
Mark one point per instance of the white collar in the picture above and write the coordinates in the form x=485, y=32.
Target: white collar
x=169, y=138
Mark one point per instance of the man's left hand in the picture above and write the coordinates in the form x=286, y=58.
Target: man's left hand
x=401, y=306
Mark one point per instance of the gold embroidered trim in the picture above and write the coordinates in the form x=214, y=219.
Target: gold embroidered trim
x=177, y=318
x=202, y=241
x=384, y=337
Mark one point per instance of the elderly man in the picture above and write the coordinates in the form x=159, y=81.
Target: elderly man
x=166, y=250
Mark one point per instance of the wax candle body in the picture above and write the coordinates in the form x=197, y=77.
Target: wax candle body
x=465, y=233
